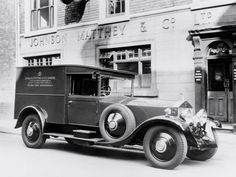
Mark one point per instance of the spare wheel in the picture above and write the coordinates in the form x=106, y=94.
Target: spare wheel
x=116, y=122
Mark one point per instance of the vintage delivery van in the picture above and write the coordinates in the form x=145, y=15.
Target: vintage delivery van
x=95, y=106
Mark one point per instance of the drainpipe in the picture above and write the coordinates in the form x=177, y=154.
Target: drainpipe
x=17, y=28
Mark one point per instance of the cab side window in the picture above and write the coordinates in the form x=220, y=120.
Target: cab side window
x=84, y=84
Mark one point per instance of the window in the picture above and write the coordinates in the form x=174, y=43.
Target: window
x=43, y=60
x=135, y=59
x=84, y=84
x=42, y=14
x=111, y=11
x=219, y=48
x=115, y=7
x=115, y=86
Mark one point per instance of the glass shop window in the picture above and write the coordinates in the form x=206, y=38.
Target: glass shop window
x=135, y=59
x=219, y=48
x=46, y=60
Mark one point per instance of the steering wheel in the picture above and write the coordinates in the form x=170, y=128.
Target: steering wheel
x=105, y=90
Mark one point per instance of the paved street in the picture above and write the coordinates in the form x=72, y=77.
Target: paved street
x=58, y=159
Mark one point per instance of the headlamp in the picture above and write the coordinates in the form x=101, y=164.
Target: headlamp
x=200, y=117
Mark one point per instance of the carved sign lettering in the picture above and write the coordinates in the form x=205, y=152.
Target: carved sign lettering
x=168, y=23
x=45, y=40
x=103, y=32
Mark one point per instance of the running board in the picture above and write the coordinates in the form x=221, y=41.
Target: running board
x=96, y=141
x=92, y=141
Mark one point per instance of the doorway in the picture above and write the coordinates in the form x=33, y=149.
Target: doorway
x=220, y=95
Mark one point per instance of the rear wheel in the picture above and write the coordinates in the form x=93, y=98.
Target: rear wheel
x=165, y=147
x=32, y=132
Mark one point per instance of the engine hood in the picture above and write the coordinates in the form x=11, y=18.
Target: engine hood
x=134, y=101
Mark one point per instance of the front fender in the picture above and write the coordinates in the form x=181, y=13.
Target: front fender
x=160, y=120
x=140, y=130
x=32, y=109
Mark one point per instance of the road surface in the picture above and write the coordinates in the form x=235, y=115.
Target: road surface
x=58, y=159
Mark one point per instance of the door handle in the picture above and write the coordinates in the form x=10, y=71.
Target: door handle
x=69, y=102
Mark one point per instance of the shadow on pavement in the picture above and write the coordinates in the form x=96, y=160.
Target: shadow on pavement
x=97, y=151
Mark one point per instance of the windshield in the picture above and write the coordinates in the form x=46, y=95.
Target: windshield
x=116, y=86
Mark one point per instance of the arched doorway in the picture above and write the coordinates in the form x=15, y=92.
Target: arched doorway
x=220, y=81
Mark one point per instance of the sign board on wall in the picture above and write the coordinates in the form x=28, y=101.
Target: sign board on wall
x=42, y=43
x=198, y=74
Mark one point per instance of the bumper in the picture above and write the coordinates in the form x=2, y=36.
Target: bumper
x=203, y=137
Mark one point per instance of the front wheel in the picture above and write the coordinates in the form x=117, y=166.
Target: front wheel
x=165, y=147
x=31, y=132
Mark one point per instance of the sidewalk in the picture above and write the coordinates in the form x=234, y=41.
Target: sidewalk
x=8, y=126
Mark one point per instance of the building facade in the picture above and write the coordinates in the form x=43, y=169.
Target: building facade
x=176, y=47
x=7, y=57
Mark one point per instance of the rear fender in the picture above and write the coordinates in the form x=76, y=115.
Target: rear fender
x=32, y=109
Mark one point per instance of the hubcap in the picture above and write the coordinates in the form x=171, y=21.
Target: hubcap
x=112, y=125
x=32, y=132
x=161, y=146
x=115, y=125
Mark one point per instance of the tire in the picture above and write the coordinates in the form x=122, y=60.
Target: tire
x=116, y=123
x=165, y=147
x=31, y=132
x=203, y=155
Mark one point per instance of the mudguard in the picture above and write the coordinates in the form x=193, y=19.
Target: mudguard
x=158, y=120
x=32, y=109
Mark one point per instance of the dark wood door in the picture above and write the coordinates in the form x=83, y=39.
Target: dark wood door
x=220, y=96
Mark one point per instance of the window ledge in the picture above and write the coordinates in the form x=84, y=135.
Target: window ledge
x=115, y=19
x=39, y=32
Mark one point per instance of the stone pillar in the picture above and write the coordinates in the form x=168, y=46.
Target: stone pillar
x=200, y=76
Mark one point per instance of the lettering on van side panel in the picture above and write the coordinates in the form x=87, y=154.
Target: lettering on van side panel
x=39, y=81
